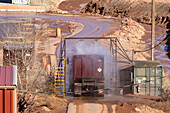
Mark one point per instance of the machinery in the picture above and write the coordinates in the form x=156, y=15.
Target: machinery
x=89, y=75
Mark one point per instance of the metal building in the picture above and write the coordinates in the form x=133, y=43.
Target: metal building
x=13, y=53
x=144, y=77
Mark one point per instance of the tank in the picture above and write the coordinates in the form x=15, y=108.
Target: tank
x=89, y=75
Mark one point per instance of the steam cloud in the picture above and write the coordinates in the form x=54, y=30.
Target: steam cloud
x=90, y=47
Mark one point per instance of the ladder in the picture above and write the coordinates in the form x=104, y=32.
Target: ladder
x=59, y=78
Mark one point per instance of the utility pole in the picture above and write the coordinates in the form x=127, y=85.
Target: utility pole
x=153, y=29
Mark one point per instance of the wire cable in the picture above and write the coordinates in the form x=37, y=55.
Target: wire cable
x=155, y=45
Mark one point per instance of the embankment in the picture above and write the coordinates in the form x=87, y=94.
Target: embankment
x=138, y=10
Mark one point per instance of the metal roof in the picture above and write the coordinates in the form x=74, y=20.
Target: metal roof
x=146, y=63
x=18, y=46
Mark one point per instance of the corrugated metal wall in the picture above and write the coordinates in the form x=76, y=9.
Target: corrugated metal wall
x=6, y=75
x=6, y=101
x=149, y=79
x=89, y=66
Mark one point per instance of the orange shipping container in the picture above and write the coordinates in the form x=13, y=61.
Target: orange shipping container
x=6, y=101
x=1, y=101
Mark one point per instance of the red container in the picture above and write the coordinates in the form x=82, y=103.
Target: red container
x=6, y=101
x=1, y=101
x=6, y=75
x=2, y=75
x=88, y=66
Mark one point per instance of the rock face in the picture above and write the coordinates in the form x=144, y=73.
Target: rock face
x=138, y=10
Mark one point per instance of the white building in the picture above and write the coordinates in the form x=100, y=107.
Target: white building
x=15, y=1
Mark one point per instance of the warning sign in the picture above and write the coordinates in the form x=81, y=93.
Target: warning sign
x=99, y=69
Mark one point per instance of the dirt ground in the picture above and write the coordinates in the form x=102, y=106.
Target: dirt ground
x=164, y=106
x=70, y=5
x=148, y=105
x=50, y=104
x=47, y=103
x=98, y=106
x=41, y=103
x=135, y=108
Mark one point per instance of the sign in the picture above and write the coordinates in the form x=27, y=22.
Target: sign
x=99, y=69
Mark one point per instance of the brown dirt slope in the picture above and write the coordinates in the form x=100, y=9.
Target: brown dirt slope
x=70, y=5
x=139, y=10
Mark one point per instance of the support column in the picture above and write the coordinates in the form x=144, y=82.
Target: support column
x=153, y=29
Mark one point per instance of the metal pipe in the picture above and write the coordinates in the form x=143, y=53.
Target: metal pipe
x=65, y=66
x=149, y=80
x=123, y=62
x=146, y=81
x=61, y=52
x=155, y=79
x=111, y=82
x=120, y=54
x=132, y=54
x=123, y=49
x=125, y=55
x=116, y=63
x=70, y=38
x=113, y=52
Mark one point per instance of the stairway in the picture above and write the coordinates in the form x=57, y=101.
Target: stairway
x=59, y=78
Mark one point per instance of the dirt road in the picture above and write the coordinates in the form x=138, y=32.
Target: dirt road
x=94, y=26
x=111, y=104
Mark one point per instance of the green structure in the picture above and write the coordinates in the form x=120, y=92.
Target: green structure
x=144, y=77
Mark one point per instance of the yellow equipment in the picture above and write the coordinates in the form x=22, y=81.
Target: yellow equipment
x=59, y=78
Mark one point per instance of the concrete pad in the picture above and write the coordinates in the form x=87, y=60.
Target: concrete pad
x=71, y=108
x=87, y=108
x=114, y=108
